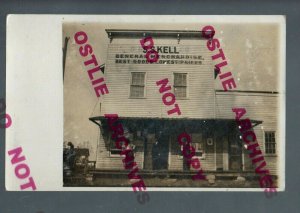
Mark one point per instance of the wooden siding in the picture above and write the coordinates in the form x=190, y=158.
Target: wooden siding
x=105, y=161
x=208, y=163
x=225, y=154
x=262, y=107
x=200, y=101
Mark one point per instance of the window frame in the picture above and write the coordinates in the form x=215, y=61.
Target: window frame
x=204, y=146
x=275, y=143
x=115, y=148
x=187, y=85
x=110, y=140
x=130, y=84
x=203, y=141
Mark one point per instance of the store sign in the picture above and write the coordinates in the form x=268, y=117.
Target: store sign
x=163, y=59
x=165, y=49
x=167, y=55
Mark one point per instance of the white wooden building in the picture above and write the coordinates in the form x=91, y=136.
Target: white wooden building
x=205, y=111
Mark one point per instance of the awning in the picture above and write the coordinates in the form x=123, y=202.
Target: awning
x=171, y=125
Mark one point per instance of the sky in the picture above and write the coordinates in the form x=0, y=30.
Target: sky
x=251, y=50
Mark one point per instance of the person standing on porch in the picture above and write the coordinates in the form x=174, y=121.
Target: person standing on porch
x=156, y=155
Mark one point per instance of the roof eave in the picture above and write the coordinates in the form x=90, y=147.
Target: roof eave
x=177, y=34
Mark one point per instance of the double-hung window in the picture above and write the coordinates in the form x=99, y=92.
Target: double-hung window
x=137, y=85
x=270, y=142
x=180, y=85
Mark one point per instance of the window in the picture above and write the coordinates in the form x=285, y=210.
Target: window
x=137, y=86
x=270, y=143
x=180, y=85
x=114, y=151
x=198, y=143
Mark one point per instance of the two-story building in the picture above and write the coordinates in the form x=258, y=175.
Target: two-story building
x=205, y=111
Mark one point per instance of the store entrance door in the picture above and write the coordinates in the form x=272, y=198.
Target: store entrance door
x=235, y=153
x=160, y=153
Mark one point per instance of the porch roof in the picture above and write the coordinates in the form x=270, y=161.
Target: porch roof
x=171, y=126
x=214, y=121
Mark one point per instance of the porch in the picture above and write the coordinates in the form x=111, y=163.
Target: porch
x=216, y=141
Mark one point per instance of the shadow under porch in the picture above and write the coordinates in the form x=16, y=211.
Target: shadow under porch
x=216, y=141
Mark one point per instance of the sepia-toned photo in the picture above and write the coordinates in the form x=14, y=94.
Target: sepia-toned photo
x=180, y=105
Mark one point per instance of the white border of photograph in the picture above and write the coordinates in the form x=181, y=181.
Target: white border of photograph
x=34, y=93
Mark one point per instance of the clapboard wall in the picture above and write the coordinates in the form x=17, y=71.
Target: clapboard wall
x=200, y=100
x=199, y=103
x=260, y=106
x=106, y=162
x=208, y=161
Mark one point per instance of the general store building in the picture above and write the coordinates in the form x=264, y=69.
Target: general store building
x=206, y=112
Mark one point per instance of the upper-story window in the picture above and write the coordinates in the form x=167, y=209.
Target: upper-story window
x=180, y=85
x=270, y=143
x=137, y=85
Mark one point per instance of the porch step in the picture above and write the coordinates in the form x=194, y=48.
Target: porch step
x=225, y=175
